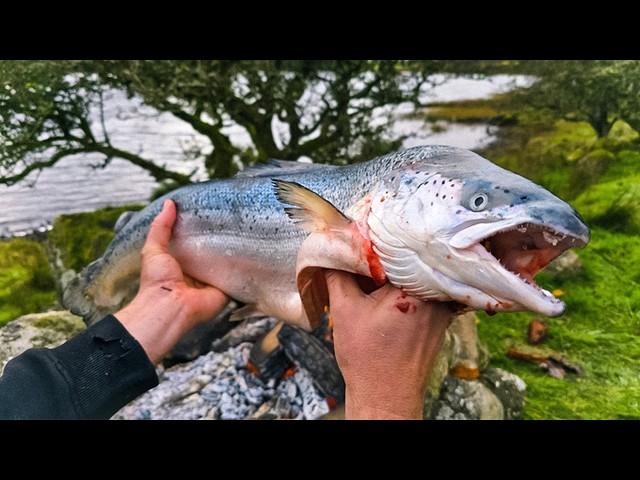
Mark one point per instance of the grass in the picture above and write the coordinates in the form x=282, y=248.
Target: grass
x=26, y=281
x=601, y=329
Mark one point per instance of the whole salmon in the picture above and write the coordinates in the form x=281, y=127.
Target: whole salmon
x=442, y=223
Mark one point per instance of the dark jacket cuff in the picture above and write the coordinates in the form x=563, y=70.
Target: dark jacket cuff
x=105, y=368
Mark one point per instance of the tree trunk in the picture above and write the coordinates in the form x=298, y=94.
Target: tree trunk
x=600, y=122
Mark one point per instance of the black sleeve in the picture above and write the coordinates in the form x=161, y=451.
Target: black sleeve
x=91, y=376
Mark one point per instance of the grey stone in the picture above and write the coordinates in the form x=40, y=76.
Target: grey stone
x=466, y=399
x=48, y=330
x=509, y=388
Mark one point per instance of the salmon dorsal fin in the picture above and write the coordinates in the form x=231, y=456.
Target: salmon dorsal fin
x=274, y=167
x=314, y=213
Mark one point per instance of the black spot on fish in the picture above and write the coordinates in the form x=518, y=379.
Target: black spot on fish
x=437, y=195
x=506, y=191
x=434, y=182
x=277, y=230
x=393, y=178
x=511, y=206
x=497, y=187
x=524, y=197
x=443, y=182
x=432, y=204
x=458, y=212
x=444, y=196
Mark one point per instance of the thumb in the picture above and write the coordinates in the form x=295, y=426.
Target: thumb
x=160, y=231
x=342, y=287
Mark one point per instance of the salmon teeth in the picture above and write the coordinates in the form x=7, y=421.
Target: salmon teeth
x=551, y=238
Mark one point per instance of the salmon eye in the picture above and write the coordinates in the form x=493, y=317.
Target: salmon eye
x=478, y=202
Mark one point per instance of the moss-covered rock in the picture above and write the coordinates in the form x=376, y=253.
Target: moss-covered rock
x=26, y=281
x=82, y=237
x=590, y=168
x=48, y=329
x=614, y=205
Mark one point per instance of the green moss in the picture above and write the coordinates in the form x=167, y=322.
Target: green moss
x=622, y=133
x=614, y=204
x=26, y=281
x=590, y=168
x=83, y=237
x=66, y=326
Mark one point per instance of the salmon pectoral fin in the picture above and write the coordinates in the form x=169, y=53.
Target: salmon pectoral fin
x=313, y=212
x=314, y=294
x=336, y=242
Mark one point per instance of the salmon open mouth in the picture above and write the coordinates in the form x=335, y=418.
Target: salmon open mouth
x=527, y=248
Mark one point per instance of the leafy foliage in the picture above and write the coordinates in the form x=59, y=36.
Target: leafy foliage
x=600, y=92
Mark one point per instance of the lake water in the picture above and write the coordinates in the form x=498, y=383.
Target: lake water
x=75, y=184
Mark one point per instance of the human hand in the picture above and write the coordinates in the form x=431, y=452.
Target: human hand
x=169, y=303
x=385, y=344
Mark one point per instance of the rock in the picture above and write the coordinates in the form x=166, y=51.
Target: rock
x=466, y=361
x=466, y=400
x=439, y=370
x=49, y=330
x=590, y=168
x=509, y=388
x=567, y=263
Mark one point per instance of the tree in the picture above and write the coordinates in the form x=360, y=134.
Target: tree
x=600, y=92
x=332, y=111
x=45, y=112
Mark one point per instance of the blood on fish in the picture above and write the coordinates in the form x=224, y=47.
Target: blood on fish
x=375, y=267
x=403, y=306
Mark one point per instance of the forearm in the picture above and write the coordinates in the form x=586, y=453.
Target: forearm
x=394, y=389
x=375, y=406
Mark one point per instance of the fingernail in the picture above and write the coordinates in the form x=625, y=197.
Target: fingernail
x=165, y=204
